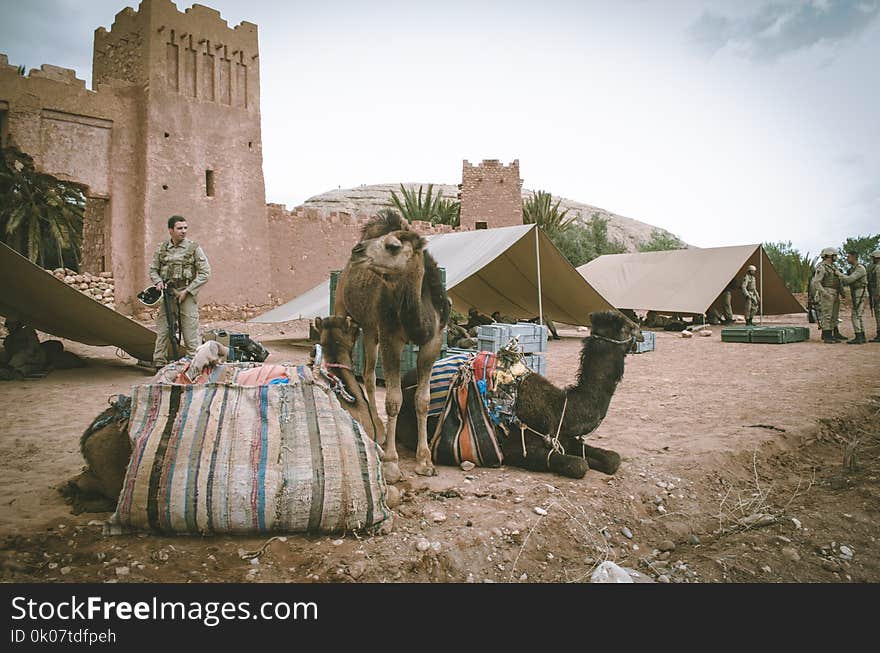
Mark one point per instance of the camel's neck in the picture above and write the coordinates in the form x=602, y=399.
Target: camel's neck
x=360, y=407
x=600, y=371
x=416, y=310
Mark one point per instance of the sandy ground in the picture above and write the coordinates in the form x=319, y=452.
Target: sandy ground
x=732, y=472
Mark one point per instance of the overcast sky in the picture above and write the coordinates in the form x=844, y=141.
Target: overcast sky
x=726, y=123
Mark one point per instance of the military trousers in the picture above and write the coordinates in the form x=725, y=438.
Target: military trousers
x=189, y=325
x=829, y=307
x=751, y=308
x=859, y=295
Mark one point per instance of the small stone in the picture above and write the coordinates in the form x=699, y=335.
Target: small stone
x=122, y=571
x=53, y=565
x=466, y=465
x=791, y=553
x=661, y=509
x=438, y=517
x=846, y=553
x=436, y=546
x=796, y=522
x=705, y=333
x=663, y=578
x=626, y=533
x=662, y=484
x=357, y=569
x=687, y=334
x=666, y=545
x=524, y=576
x=422, y=544
x=766, y=569
x=336, y=542
x=830, y=565
x=540, y=511
x=658, y=500
x=694, y=539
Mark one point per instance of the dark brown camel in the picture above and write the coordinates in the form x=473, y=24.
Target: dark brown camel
x=393, y=288
x=540, y=405
x=106, y=448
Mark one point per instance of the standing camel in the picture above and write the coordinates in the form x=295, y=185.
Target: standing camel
x=580, y=407
x=393, y=288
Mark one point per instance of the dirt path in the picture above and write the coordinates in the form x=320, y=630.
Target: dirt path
x=709, y=431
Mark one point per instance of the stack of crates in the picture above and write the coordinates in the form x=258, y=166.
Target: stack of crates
x=408, y=356
x=773, y=335
x=532, y=341
x=649, y=344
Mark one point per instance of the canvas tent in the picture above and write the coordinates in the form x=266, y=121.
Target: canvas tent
x=492, y=270
x=33, y=296
x=686, y=280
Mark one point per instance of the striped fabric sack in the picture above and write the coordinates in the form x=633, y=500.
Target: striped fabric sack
x=465, y=431
x=442, y=373
x=225, y=458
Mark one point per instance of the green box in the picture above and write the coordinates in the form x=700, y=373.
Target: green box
x=736, y=334
x=408, y=356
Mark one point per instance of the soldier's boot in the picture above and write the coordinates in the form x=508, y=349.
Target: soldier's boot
x=827, y=337
x=859, y=339
x=837, y=335
x=877, y=337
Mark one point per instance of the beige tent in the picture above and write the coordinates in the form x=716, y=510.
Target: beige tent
x=492, y=270
x=32, y=295
x=686, y=280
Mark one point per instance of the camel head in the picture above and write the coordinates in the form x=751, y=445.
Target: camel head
x=614, y=326
x=337, y=337
x=393, y=256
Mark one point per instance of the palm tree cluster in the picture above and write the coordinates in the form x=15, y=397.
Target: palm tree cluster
x=41, y=217
x=426, y=206
x=539, y=209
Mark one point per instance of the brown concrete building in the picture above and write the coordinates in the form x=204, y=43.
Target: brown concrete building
x=491, y=195
x=171, y=127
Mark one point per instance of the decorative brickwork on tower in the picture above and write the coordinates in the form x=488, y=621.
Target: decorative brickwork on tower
x=491, y=193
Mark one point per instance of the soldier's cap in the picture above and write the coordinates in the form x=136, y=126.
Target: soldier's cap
x=150, y=296
x=752, y=268
x=875, y=253
x=829, y=251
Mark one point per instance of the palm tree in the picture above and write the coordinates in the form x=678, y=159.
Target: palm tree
x=41, y=217
x=539, y=209
x=426, y=206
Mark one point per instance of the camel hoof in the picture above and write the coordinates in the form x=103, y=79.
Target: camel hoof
x=391, y=472
x=392, y=497
x=425, y=469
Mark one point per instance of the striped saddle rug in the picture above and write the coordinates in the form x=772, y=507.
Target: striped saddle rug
x=268, y=457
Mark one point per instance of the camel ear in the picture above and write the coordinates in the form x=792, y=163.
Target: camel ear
x=421, y=244
x=318, y=323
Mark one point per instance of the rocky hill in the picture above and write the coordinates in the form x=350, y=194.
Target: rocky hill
x=369, y=199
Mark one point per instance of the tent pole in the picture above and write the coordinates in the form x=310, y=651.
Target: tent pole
x=761, y=281
x=538, y=265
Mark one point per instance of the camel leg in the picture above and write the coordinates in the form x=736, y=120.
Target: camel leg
x=428, y=353
x=371, y=349
x=391, y=348
x=603, y=460
x=540, y=458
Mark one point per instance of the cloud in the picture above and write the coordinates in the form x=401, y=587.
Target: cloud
x=779, y=28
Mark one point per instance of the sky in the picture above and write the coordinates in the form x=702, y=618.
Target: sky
x=725, y=123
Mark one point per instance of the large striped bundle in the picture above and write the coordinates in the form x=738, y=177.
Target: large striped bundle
x=442, y=373
x=224, y=458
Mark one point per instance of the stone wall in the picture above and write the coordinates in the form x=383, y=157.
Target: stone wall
x=306, y=245
x=99, y=287
x=491, y=193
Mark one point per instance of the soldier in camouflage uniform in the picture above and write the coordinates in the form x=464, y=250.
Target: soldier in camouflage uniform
x=827, y=288
x=873, y=278
x=751, y=292
x=857, y=281
x=181, y=268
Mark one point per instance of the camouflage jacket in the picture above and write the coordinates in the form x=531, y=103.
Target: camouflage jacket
x=857, y=277
x=183, y=266
x=749, y=289
x=872, y=275
x=826, y=276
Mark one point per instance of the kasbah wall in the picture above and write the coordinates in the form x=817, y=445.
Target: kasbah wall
x=173, y=127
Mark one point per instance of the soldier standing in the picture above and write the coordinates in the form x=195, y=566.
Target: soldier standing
x=857, y=281
x=873, y=278
x=751, y=292
x=827, y=288
x=180, y=268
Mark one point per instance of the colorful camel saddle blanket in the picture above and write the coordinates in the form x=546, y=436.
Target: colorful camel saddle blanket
x=258, y=458
x=243, y=373
x=465, y=430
